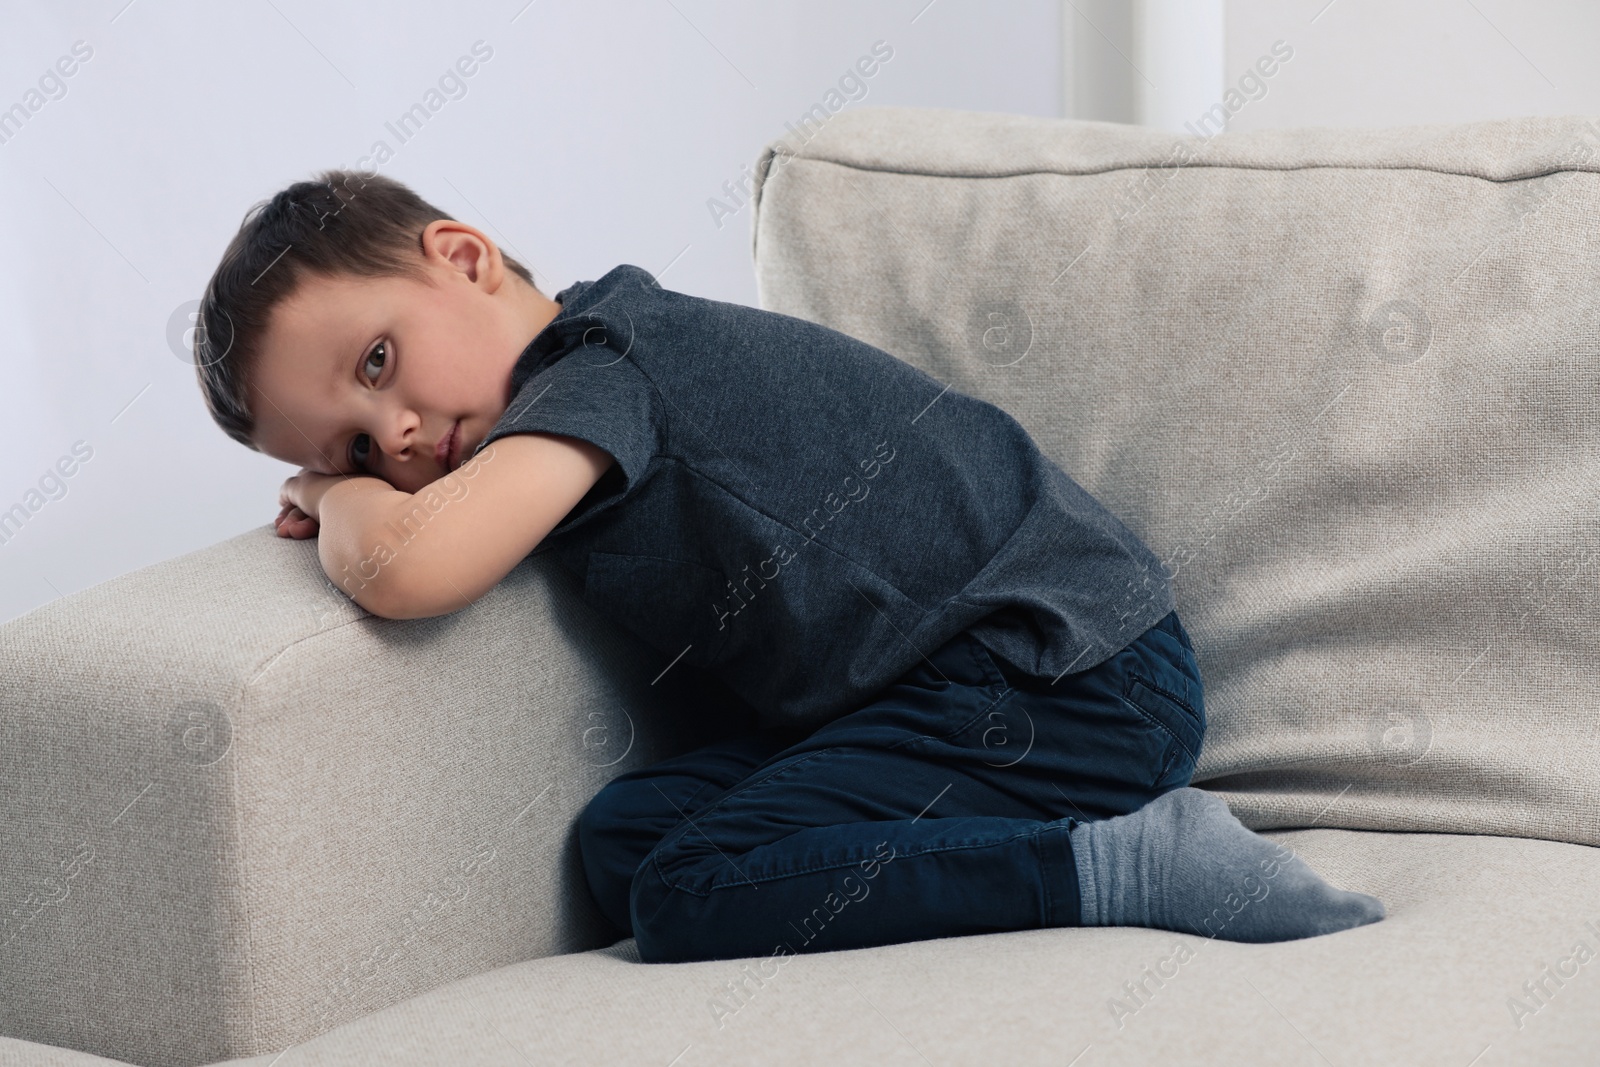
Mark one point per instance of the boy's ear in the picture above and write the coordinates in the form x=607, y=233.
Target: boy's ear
x=464, y=248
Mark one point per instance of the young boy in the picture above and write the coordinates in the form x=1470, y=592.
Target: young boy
x=975, y=708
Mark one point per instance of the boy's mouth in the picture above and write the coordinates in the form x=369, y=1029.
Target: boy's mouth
x=445, y=450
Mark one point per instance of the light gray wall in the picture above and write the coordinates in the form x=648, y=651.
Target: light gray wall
x=1164, y=63
x=595, y=134
x=1388, y=63
x=1151, y=62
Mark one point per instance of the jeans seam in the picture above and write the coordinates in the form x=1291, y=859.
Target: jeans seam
x=752, y=781
x=1151, y=683
x=998, y=699
x=1044, y=871
x=1167, y=766
x=1163, y=727
x=688, y=801
x=747, y=880
x=995, y=697
x=984, y=661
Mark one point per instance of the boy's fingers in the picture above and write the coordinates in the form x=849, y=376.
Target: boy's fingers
x=292, y=522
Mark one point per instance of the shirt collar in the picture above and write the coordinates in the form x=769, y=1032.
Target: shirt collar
x=567, y=330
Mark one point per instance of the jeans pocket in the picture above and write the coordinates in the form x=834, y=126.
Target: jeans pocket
x=1182, y=722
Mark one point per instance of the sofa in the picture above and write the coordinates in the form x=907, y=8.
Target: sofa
x=1344, y=382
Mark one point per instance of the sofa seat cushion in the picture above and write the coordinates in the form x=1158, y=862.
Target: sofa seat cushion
x=1471, y=919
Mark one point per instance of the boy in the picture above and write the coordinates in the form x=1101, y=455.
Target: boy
x=970, y=689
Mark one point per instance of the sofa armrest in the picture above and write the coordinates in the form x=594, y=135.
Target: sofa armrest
x=238, y=810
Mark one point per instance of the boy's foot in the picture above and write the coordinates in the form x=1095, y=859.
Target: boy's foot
x=1183, y=862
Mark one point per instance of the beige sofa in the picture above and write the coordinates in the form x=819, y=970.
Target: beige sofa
x=1346, y=383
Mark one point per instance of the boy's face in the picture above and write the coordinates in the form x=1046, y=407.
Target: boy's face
x=371, y=375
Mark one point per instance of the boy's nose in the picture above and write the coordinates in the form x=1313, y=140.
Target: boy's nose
x=396, y=444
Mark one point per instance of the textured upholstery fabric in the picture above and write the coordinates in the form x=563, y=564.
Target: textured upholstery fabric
x=15, y=1052
x=1345, y=383
x=1470, y=920
x=238, y=810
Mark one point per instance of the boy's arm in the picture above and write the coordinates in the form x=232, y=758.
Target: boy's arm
x=409, y=556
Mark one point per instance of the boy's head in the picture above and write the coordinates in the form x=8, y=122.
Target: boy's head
x=351, y=326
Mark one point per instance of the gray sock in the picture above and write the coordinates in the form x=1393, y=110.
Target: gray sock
x=1183, y=862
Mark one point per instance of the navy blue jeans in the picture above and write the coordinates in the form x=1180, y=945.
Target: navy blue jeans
x=940, y=809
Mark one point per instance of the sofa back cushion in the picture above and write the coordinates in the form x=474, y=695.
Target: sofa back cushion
x=1343, y=382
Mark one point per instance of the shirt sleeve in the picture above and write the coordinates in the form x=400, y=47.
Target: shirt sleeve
x=609, y=403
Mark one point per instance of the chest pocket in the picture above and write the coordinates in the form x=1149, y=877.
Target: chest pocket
x=667, y=603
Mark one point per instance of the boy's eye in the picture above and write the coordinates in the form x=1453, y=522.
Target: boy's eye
x=361, y=444
x=380, y=353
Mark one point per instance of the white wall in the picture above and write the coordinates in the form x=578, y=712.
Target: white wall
x=1151, y=62
x=1355, y=62
x=1179, y=45
x=594, y=135
x=1388, y=63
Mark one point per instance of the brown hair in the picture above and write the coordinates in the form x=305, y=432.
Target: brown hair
x=319, y=227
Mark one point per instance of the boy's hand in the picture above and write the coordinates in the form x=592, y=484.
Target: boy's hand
x=292, y=522
x=301, y=500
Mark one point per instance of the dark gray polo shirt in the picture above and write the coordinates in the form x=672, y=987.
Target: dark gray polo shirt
x=805, y=516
